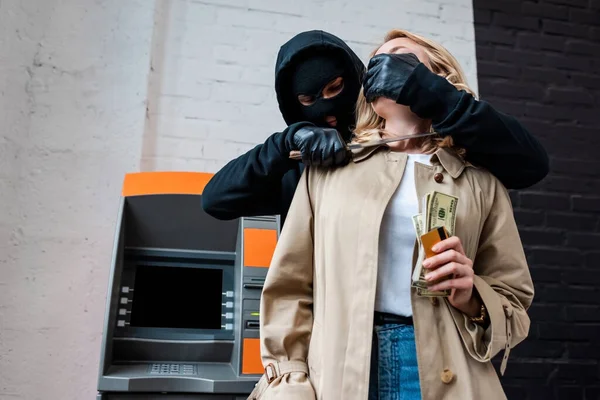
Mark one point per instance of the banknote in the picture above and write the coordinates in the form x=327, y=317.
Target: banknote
x=418, y=225
x=425, y=209
x=429, y=293
x=439, y=210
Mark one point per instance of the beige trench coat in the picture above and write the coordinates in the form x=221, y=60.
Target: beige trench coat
x=317, y=305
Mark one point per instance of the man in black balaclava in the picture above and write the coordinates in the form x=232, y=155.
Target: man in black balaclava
x=317, y=81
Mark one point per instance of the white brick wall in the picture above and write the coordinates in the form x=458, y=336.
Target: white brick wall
x=73, y=86
x=212, y=95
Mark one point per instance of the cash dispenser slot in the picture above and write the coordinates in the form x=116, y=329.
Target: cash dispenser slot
x=254, y=283
x=252, y=325
x=253, y=286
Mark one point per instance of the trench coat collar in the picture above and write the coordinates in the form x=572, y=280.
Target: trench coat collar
x=451, y=162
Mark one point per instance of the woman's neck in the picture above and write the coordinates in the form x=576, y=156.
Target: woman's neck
x=401, y=123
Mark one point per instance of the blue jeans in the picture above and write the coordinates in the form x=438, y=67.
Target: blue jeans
x=394, y=371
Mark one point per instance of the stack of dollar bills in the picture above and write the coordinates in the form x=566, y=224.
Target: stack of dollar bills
x=439, y=210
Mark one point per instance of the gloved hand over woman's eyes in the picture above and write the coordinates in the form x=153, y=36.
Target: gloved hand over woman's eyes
x=321, y=146
x=387, y=74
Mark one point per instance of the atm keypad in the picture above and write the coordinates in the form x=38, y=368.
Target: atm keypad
x=172, y=369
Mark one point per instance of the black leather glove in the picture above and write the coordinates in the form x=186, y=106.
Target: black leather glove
x=320, y=146
x=387, y=74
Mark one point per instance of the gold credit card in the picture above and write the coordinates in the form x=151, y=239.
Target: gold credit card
x=431, y=238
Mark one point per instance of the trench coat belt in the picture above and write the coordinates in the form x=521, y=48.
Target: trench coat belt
x=506, y=348
x=275, y=370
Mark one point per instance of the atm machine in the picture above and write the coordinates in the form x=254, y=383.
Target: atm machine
x=182, y=307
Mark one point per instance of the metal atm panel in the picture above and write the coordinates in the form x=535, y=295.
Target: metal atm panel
x=257, y=238
x=182, y=309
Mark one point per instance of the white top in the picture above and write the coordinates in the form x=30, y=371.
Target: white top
x=396, y=243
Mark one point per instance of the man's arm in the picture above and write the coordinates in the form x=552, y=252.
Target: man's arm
x=493, y=140
x=251, y=184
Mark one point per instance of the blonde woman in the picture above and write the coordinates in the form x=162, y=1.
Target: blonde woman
x=339, y=319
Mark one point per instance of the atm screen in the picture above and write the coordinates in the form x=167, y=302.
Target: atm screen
x=177, y=297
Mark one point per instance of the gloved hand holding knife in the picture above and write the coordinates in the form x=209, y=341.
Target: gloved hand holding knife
x=318, y=146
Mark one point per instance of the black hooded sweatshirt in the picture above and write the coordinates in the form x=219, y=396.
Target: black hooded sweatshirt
x=263, y=181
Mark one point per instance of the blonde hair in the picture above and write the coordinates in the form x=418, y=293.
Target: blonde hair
x=442, y=63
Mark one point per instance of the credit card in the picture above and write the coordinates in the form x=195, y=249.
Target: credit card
x=431, y=238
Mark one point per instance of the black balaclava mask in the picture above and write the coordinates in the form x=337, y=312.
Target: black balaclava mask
x=310, y=77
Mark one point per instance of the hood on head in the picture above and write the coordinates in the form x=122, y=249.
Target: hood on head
x=298, y=48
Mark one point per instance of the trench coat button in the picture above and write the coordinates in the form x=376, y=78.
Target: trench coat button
x=438, y=177
x=434, y=301
x=447, y=376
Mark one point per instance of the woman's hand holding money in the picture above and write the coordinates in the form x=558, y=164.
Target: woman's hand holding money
x=451, y=260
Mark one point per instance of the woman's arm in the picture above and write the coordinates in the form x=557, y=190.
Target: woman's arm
x=286, y=314
x=503, y=283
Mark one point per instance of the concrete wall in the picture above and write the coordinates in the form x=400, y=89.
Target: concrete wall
x=212, y=96
x=75, y=79
x=73, y=84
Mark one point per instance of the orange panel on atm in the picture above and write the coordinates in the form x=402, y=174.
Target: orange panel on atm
x=164, y=182
x=251, y=361
x=259, y=246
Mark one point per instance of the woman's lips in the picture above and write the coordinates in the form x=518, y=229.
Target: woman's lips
x=332, y=121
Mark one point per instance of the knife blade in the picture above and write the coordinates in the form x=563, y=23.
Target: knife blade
x=372, y=143
x=296, y=155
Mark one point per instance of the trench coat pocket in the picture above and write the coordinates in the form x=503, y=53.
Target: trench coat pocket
x=284, y=380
